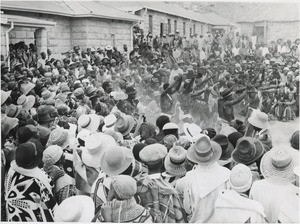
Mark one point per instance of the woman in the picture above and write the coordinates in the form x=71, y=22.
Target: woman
x=28, y=190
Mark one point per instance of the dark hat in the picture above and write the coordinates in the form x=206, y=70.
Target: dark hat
x=150, y=141
x=24, y=134
x=248, y=150
x=136, y=150
x=234, y=137
x=44, y=116
x=226, y=146
x=27, y=155
x=130, y=90
x=295, y=140
x=90, y=90
x=210, y=132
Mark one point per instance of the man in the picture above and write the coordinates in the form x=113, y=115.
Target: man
x=107, y=98
x=201, y=185
x=134, y=52
x=176, y=72
x=42, y=61
x=235, y=50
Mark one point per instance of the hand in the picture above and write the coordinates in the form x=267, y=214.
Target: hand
x=154, y=189
x=106, y=211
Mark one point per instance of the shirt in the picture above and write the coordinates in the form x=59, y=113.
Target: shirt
x=175, y=73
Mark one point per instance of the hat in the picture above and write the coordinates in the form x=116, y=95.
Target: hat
x=169, y=126
x=44, y=116
x=279, y=162
x=25, y=88
x=177, y=31
x=4, y=96
x=240, y=179
x=226, y=146
x=259, y=119
x=64, y=88
x=27, y=155
x=125, y=186
x=62, y=108
x=136, y=150
x=210, y=132
x=295, y=140
x=59, y=137
x=116, y=160
x=124, y=124
x=130, y=90
x=192, y=131
x=25, y=133
x=52, y=155
x=119, y=95
x=8, y=123
x=48, y=97
x=96, y=144
x=234, y=137
x=152, y=154
x=13, y=110
x=174, y=161
x=116, y=135
x=169, y=140
x=110, y=121
x=248, y=150
x=227, y=130
x=78, y=92
x=204, y=151
x=90, y=122
x=108, y=48
x=90, y=91
x=79, y=208
x=82, y=110
x=26, y=102
x=296, y=171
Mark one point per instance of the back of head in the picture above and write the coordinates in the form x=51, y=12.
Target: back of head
x=161, y=121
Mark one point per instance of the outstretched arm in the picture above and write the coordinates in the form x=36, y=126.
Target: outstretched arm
x=171, y=90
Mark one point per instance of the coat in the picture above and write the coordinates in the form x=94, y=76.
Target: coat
x=28, y=195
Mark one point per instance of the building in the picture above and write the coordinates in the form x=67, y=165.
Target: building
x=60, y=25
x=219, y=23
x=163, y=18
x=271, y=21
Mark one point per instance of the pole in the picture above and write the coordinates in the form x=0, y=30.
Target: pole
x=7, y=44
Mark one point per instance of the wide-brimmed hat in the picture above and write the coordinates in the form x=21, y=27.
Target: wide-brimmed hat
x=192, y=131
x=169, y=126
x=13, y=110
x=240, y=178
x=59, y=137
x=125, y=186
x=204, y=151
x=62, y=108
x=295, y=140
x=27, y=155
x=248, y=150
x=279, y=162
x=79, y=208
x=152, y=154
x=48, y=97
x=259, y=119
x=26, y=102
x=90, y=122
x=26, y=87
x=91, y=91
x=8, y=123
x=4, y=96
x=52, y=155
x=116, y=160
x=174, y=161
x=119, y=95
x=124, y=124
x=109, y=121
x=226, y=146
x=64, y=88
x=95, y=146
x=44, y=116
x=108, y=48
x=116, y=135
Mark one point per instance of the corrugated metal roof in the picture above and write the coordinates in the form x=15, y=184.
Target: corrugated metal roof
x=25, y=21
x=158, y=6
x=217, y=20
x=282, y=12
x=70, y=9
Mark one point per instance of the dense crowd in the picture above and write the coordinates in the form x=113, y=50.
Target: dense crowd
x=151, y=135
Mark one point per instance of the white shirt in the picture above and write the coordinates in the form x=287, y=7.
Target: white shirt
x=265, y=51
x=235, y=51
x=173, y=74
x=271, y=193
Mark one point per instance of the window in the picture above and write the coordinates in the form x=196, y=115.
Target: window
x=194, y=28
x=150, y=23
x=175, y=25
x=183, y=28
x=169, y=26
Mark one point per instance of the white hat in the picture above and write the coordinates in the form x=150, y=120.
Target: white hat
x=79, y=208
x=109, y=121
x=52, y=154
x=83, y=134
x=4, y=96
x=192, y=131
x=170, y=126
x=95, y=146
x=26, y=102
x=174, y=161
x=259, y=119
x=90, y=122
x=240, y=178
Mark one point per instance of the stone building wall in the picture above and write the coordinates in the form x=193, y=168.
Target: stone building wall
x=22, y=34
x=284, y=30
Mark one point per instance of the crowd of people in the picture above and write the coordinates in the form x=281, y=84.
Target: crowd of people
x=151, y=135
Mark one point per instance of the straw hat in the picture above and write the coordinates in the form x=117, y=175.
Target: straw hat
x=170, y=126
x=152, y=154
x=248, y=150
x=4, y=96
x=124, y=124
x=119, y=95
x=26, y=102
x=116, y=135
x=109, y=121
x=79, y=208
x=204, y=151
x=125, y=186
x=259, y=119
x=13, y=110
x=96, y=144
x=90, y=122
x=174, y=161
x=192, y=131
x=279, y=162
x=25, y=88
x=52, y=154
x=59, y=137
x=240, y=178
x=116, y=160
x=8, y=123
x=48, y=97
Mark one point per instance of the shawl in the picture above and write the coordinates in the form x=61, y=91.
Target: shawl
x=28, y=195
